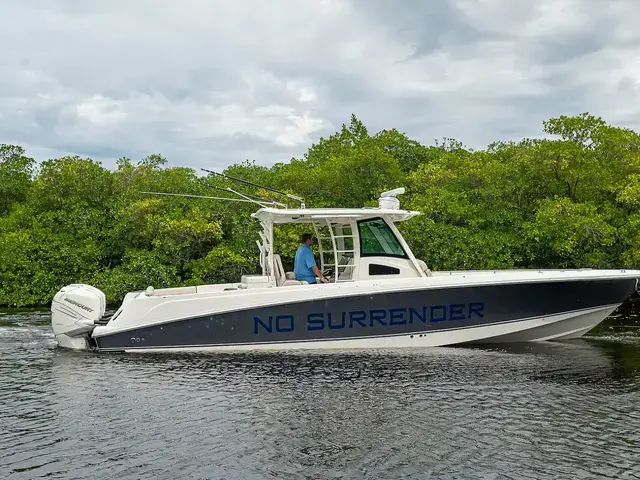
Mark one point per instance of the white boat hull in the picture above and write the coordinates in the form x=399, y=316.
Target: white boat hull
x=445, y=310
x=563, y=326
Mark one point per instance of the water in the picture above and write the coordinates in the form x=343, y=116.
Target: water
x=569, y=410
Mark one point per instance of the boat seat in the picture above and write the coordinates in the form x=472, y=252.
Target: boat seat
x=279, y=270
x=284, y=279
x=424, y=268
x=290, y=279
x=345, y=274
x=288, y=283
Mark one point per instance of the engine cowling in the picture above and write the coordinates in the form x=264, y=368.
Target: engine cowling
x=75, y=310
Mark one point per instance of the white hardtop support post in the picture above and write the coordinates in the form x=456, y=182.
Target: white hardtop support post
x=406, y=247
x=319, y=238
x=270, y=260
x=335, y=251
x=265, y=247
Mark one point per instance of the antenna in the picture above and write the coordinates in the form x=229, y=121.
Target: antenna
x=389, y=200
x=224, y=175
x=246, y=200
x=392, y=193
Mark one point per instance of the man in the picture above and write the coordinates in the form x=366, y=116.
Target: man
x=304, y=266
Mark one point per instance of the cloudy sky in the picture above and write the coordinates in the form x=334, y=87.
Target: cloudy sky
x=212, y=82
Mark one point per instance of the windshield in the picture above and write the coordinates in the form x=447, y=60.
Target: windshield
x=376, y=238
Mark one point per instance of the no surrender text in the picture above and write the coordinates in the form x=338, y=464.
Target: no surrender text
x=373, y=318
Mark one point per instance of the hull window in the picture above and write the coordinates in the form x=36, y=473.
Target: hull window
x=375, y=269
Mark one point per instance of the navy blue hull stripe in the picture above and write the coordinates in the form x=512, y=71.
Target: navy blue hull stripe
x=383, y=314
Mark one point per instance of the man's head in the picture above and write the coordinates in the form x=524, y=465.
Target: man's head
x=307, y=239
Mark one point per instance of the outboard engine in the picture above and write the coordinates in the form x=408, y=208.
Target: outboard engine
x=75, y=310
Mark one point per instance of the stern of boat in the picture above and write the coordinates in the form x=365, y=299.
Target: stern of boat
x=75, y=311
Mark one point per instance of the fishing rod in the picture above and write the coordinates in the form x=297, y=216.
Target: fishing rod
x=224, y=175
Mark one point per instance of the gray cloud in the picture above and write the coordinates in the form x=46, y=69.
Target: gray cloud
x=209, y=83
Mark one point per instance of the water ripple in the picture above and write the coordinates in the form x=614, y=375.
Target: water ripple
x=568, y=410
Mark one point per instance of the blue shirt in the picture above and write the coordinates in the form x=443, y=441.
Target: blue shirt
x=303, y=263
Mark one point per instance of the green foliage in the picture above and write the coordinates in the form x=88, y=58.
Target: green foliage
x=138, y=270
x=15, y=176
x=220, y=265
x=70, y=182
x=349, y=169
x=569, y=200
x=564, y=233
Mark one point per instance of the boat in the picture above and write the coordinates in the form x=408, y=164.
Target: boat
x=379, y=295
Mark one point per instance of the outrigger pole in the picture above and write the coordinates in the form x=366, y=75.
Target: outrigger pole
x=262, y=202
x=259, y=199
x=224, y=175
x=245, y=197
